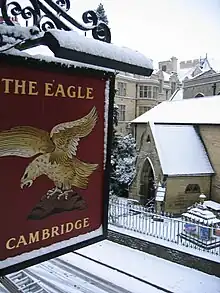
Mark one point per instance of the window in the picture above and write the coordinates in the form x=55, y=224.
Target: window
x=145, y=91
x=161, y=86
x=167, y=94
x=121, y=112
x=164, y=68
x=173, y=86
x=155, y=92
x=199, y=95
x=143, y=109
x=192, y=188
x=122, y=88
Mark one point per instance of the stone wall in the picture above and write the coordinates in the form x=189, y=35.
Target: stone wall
x=176, y=199
x=210, y=135
x=145, y=150
x=132, y=100
x=129, y=101
x=130, y=105
x=177, y=256
x=201, y=85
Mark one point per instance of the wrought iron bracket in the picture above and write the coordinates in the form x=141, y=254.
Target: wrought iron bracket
x=44, y=15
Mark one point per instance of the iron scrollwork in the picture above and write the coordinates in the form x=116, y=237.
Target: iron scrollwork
x=52, y=14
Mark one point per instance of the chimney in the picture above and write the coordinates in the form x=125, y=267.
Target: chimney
x=174, y=63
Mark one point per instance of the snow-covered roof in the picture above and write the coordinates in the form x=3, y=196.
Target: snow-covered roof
x=185, y=72
x=72, y=40
x=193, y=72
x=212, y=205
x=180, y=150
x=201, y=215
x=166, y=76
x=177, y=95
x=202, y=74
x=203, y=110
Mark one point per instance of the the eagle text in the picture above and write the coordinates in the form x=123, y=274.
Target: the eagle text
x=49, y=89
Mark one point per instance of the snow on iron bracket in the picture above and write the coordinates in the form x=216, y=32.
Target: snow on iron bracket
x=50, y=25
x=51, y=14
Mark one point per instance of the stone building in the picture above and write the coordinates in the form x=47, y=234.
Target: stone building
x=206, y=84
x=172, y=81
x=137, y=94
x=199, y=78
x=178, y=145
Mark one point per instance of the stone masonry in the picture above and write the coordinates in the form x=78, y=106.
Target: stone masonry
x=210, y=135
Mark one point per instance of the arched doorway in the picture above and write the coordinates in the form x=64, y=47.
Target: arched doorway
x=147, y=188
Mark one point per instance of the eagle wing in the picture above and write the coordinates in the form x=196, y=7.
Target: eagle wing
x=66, y=136
x=25, y=141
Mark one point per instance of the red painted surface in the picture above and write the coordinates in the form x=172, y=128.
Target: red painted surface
x=45, y=112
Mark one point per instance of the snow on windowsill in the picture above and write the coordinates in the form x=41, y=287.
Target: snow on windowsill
x=72, y=40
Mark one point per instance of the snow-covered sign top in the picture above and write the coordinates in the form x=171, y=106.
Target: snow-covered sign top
x=72, y=40
x=52, y=59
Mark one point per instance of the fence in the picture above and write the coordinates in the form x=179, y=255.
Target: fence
x=131, y=216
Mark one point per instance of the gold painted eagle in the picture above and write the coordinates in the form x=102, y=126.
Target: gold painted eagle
x=56, y=152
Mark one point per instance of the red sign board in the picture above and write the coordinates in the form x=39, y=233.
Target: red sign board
x=53, y=156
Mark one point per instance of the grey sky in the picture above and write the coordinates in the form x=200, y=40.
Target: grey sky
x=162, y=28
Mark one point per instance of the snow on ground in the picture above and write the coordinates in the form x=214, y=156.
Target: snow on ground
x=109, y=275
x=170, y=276
x=174, y=277
x=56, y=278
x=3, y=290
x=135, y=221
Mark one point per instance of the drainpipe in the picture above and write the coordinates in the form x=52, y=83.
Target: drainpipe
x=210, y=188
x=135, y=111
x=136, y=95
x=214, y=89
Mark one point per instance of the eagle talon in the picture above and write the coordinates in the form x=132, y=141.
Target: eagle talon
x=51, y=192
x=64, y=194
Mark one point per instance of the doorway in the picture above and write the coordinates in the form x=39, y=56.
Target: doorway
x=147, y=187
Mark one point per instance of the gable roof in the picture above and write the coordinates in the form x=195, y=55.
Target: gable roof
x=203, y=110
x=201, y=67
x=177, y=156
x=177, y=95
x=201, y=75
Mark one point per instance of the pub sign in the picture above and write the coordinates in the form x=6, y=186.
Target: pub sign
x=54, y=157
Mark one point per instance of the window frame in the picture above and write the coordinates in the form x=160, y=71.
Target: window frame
x=121, y=112
x=192, y=188
x=121, y=88
x=199, y=95
x=143, y=109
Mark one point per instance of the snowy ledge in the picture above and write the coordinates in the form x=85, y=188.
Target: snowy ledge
x=50, y=248
x=72, y=46
x=55, y=60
